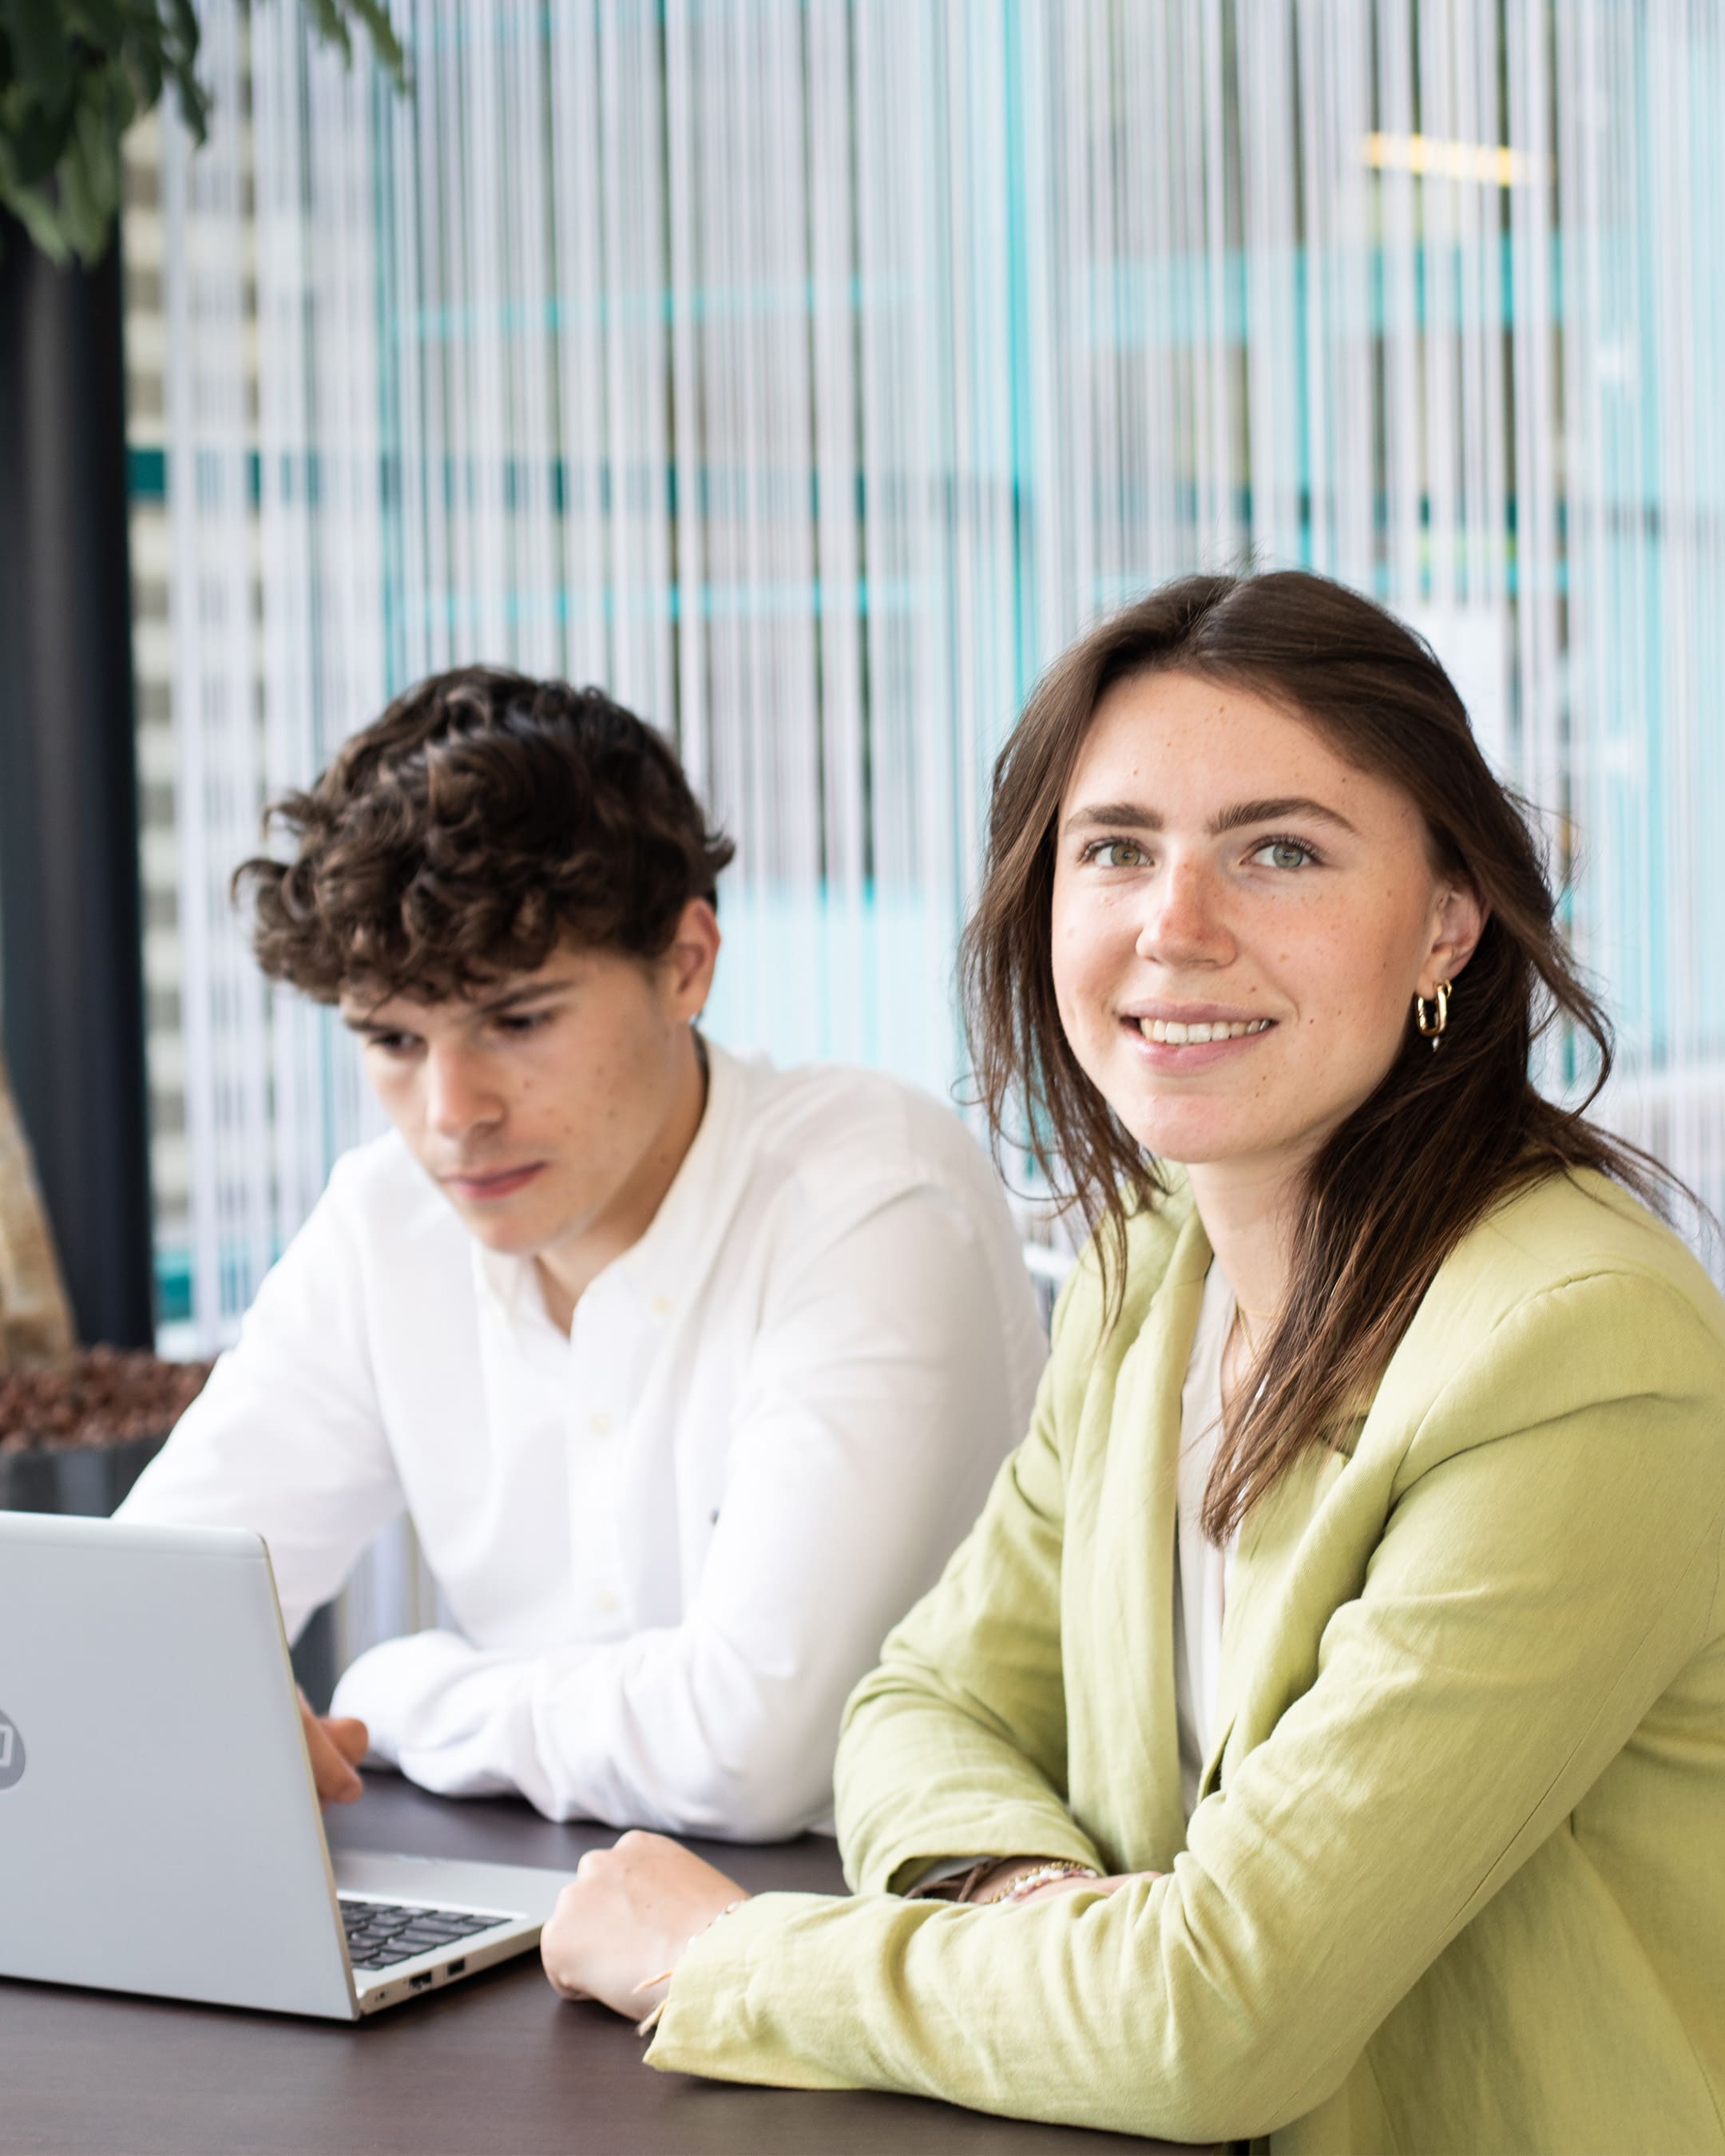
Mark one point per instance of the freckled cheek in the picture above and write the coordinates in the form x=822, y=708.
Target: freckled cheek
x=1345, y=984
x=1094, y=942
x=1065, y=936
x=1083, y=982
x=1332, y=974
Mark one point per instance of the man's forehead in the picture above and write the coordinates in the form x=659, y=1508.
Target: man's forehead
x=370, y=1004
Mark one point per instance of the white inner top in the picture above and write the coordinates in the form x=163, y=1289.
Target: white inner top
x=1200, y=1568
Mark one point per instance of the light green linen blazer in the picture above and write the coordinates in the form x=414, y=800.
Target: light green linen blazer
x=1456, y=1877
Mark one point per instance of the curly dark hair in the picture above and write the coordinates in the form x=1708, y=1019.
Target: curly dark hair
x=482, y=818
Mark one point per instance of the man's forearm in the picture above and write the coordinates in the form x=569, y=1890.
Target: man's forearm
x=627, y=1732
x=451, y=1717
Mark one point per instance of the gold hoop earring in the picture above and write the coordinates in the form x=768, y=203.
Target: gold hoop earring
x=1433, y=1031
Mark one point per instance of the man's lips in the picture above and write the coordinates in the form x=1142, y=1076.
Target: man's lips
x=496, y=1182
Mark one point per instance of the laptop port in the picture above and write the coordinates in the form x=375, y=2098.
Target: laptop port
x=419, y=1982
x=456, y=1968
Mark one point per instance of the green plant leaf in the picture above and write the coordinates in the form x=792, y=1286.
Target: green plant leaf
x=41, y=219
x=38, y=142
x=178, y=56
x=384, y=41
x=41, y=45
x=74, y=75
x=89, y=178
x=100, y=23
x=332, y=23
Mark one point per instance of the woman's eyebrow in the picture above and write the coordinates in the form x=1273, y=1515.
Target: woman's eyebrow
x=1272, y=811
x=1134, y=816
x=1130, y=813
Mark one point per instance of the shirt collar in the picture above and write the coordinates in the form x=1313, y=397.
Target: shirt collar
x=655, y=1267
x=658, y=1265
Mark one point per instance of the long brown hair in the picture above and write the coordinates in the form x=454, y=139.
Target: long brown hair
x=1444, y=1139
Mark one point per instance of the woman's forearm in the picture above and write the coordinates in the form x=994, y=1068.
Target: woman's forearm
x=921, y=1781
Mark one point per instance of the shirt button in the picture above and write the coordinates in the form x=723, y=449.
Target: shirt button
x=607, y=1603
x=661, y=1306
x=599, y=1422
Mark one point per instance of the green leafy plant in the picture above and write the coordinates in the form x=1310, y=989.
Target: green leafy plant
x=73, y=76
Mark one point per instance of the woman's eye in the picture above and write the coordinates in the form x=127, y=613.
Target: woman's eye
x=1284, y=853
x=1115, y=854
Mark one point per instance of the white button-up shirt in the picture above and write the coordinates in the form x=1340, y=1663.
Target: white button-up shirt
x=674, y=1539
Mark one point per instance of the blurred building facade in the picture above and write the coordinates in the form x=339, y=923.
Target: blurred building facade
x=809, y=372
x=152, y=569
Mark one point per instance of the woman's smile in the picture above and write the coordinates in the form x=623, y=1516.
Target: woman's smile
x=1192, y=1045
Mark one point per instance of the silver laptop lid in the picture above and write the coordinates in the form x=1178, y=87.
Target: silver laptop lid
x=158, y=1822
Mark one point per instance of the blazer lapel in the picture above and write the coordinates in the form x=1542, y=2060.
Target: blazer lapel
x=1131, y=1604
x=1264, y=1652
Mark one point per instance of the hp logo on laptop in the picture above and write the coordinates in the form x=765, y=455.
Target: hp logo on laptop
x=12, y=1752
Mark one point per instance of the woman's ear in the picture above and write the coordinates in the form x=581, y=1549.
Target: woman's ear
x=1460, y=921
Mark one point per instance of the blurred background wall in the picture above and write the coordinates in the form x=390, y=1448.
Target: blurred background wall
x=808, y=372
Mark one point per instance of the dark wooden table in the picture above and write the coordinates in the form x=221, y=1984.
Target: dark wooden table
x=496, y=2065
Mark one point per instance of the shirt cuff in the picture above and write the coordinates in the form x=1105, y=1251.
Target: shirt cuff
x=456, y=1718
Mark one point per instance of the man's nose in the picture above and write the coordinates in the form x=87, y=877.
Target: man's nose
x=457, y=1096
x=1185, y=921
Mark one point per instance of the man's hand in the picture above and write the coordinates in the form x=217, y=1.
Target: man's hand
x=624, y=1920
x=336, y=1747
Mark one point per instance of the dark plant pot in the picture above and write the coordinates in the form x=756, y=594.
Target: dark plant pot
x=93, y=1480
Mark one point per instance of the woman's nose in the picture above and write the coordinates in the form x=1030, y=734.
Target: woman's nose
x=1184, y=921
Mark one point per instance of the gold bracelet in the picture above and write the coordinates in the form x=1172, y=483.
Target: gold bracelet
x=646, y=2028
x=1027, y=1882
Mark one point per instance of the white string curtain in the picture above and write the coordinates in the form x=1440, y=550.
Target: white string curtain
x=809, y=372
x=216, y=669
x=1641, y=171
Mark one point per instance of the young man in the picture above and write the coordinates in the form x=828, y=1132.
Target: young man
x=690, y=1372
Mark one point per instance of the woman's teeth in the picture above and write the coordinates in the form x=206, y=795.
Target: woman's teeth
x=1178, y=1036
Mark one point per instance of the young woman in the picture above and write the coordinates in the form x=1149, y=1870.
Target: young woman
x=1328, y=1710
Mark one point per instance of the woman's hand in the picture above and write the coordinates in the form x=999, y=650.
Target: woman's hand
x=622, y=1922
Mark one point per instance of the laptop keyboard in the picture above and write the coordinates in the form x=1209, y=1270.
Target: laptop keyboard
x=380, y=1933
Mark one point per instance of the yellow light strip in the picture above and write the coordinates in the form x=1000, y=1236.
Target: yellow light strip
x=1489, y=164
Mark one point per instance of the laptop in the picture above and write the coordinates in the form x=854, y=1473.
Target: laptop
x=159, y=1826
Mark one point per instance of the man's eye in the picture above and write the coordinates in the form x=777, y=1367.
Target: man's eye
x=1115, y=854
x=522, y=1021
x=392, y=1044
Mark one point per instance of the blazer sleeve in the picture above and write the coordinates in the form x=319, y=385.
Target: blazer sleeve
x=1550, y=1565
x=968, y=1707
